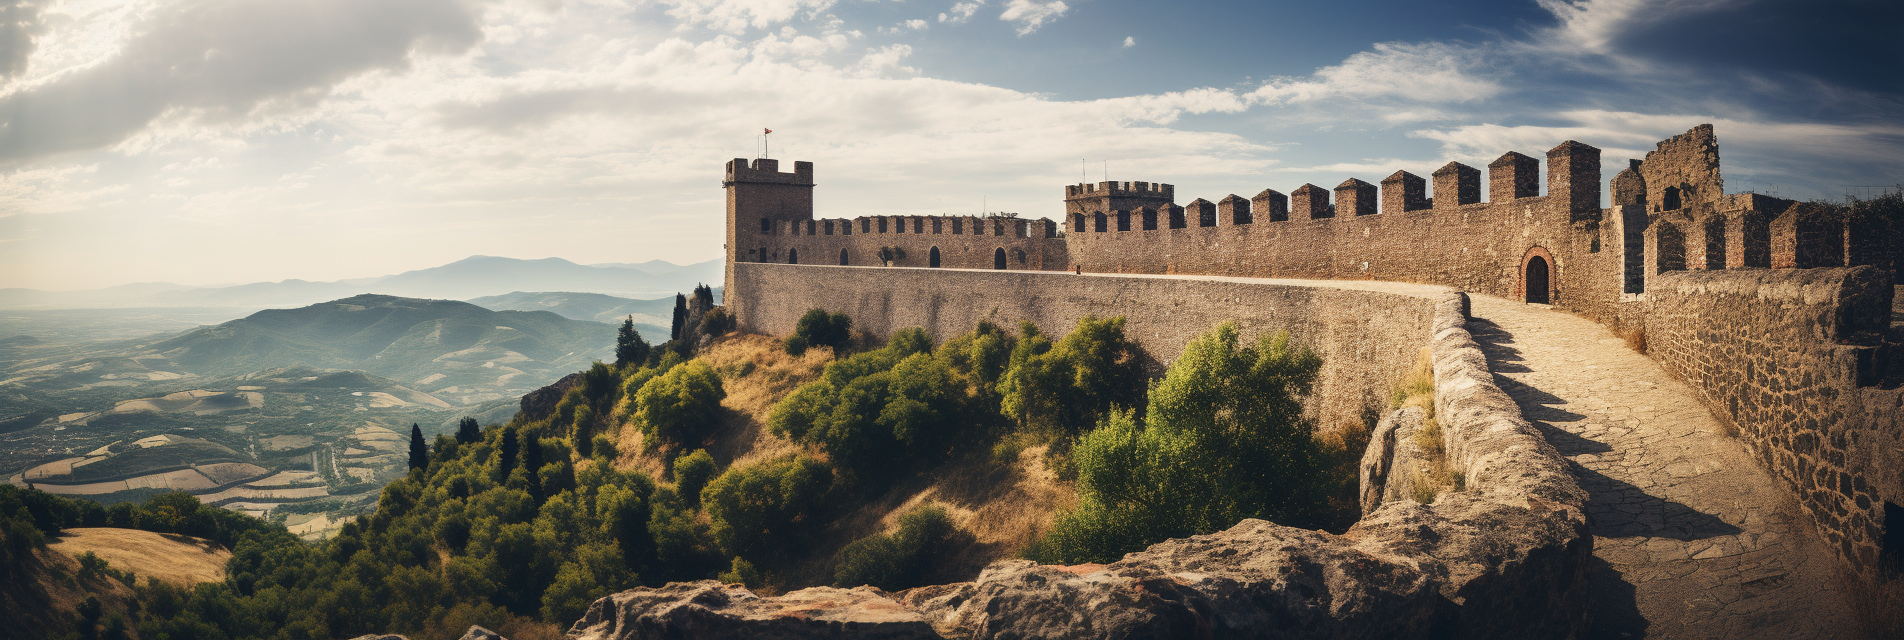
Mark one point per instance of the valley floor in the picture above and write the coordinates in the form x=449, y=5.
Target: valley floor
x=1692, y=539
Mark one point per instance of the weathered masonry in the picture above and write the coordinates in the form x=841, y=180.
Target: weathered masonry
x=1777, y=312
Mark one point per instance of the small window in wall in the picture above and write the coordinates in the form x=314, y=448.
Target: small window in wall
x=882, y=224
x=810, y=224
x=763, y=255
x=933, y=259
x=1891, y=549
x=1019, y=228
x=998, y=258
x=938, y=225
x=1670, y=201
x=865, y=225
x=1051, y=228
x=918, y=225
x=829, y=227
x=766, y=225
x=1123, y=221
x=1150, y=220
x=1097, y=220
x=793, y=256
x=1669, y=249
x=843, y=258
x=1021, y=256
x=998, y=228
x=899, y=225
x=1079, y=227
x=958, y=226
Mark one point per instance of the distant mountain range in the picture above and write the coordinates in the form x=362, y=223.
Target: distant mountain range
x=457, y=351
x=652, y=317
x=472, y=277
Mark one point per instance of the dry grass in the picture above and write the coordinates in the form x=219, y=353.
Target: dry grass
x=41, y=598
x=999, y=510
x=1417, y=389
x=180, y=560
x=756, y=372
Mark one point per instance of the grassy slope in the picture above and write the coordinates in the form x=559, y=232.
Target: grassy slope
x=40, y=601
x=169, y=557
x=1002, y=507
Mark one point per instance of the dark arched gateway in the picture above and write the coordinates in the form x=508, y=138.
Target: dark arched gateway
x=933, y=260
x=842, y=257
x=793, y=256
x=998, y=258
x=1537, y=280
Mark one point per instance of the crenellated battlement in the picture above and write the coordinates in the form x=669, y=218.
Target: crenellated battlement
x=1120, y=190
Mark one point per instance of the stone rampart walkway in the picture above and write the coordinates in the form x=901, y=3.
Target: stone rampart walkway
x=1691, y=538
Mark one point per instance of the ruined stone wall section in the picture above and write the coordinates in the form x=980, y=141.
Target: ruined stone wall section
x=1786, y=356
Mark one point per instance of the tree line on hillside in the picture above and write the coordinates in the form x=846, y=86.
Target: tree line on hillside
x=534, y=519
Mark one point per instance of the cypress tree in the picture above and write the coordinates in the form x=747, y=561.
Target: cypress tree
x=468, y=431
x=629, y=347
x=532, y=465
x=680, y=315
x=508, y=453
x=419, y=453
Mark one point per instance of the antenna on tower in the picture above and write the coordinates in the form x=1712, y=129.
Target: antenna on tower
x=1107, y=170
x=1082, y=178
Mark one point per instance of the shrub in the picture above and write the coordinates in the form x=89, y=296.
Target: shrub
x=820, y=329
x=1225, y=440
x=1063, y=389
x=741, y=572
x=900, y=560
x=760, y=511
x=691, y=473
x=680, y=407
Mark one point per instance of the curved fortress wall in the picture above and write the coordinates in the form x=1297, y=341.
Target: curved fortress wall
x=1749, y=298
x=1368, y=334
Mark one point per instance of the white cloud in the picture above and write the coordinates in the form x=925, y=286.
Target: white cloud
x=1130, y=41
x=1592, y=25
x=961, y=12
x=735, y=16
x=1424, y=72
x=1031, y=14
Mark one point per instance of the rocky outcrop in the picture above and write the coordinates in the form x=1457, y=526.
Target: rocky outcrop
x=1504, y=558
x=709, y=609
x=538, y=404
x=477, y=632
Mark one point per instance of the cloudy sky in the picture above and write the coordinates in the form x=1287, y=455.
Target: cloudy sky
x=224, y=141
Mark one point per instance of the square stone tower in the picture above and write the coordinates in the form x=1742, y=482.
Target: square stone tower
x=762, y=203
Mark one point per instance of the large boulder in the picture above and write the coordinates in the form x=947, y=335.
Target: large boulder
x=709, y=609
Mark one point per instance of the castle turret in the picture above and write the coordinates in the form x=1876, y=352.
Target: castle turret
x=1085, y=201
x=1355, y=197
x=1403, y=191
x=1311, y=201
x=762, y=201
x=1457, y=184
x=1270, y=204
x=1573, y=179
x=1513, y=175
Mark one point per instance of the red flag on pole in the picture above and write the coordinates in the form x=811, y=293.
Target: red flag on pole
x=767, y=130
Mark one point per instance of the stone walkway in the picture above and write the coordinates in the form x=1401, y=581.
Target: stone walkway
x=1691, y=538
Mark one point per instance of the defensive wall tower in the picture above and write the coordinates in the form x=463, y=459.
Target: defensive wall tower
x=760, y=197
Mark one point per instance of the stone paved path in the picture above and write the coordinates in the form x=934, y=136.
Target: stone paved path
x=1691, y=538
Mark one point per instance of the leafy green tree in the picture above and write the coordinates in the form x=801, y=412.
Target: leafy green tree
x=763, y=510
x=596, y=571
x=817, y=328
x=741, y=572
x=629, y=347
x=506, y=455
x=1065, y=388
x=419, y=452
x=680, y=407
x=468, y=432
x=691, y=474
x=1225, y=440
x=902, y=559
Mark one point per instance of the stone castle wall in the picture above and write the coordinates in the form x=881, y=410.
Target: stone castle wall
x=1786, y=357
x=1723, y=285
x=1368, y=334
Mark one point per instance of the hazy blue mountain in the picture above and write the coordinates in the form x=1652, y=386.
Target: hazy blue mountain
x=654, y=318
x=471, y=277
x=449, y=343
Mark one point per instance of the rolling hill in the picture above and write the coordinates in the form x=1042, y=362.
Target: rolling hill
x=653, y=318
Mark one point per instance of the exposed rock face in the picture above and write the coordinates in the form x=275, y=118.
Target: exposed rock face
x=709, y=609
x=477, y=632
x=538, y=404
x=1505, y=558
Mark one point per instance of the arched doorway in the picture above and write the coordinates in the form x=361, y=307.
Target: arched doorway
x=793, y=256
x=1537, y=280
x=998, y=258
x=933, y=260
x=842, y=257
x=1537, y=276
x=764, y=257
